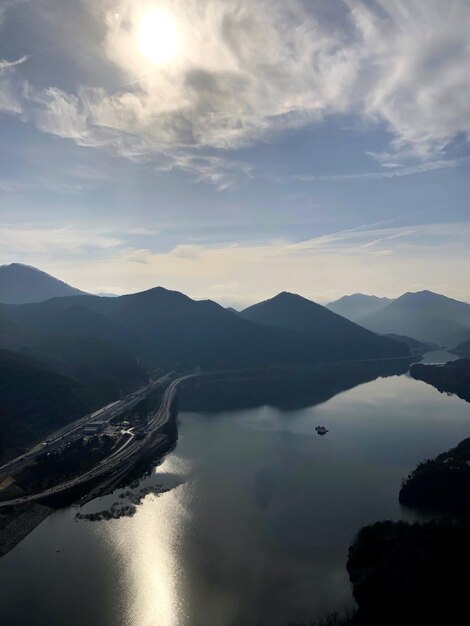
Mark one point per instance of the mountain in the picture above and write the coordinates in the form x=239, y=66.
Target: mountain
x=35, y=400
x=105, y=370
x=76, y=342
x=69, y=353
x=357, y=306
x=169, y=330
x=20, y=284
x=331, y=335
x=425, y=316
x=416, y=347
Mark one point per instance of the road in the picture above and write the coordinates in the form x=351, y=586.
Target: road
x=128, y=453
x=61, y=436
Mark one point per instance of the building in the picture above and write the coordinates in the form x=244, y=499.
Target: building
x=94, y=428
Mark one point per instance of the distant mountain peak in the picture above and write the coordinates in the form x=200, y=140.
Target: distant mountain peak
x=287, y=295
x=358, y=306
x=296, y=313
x=424, y=315
x=362, y=296
x=24, y=267
x=157, y=292
x=22, y=284
x=426, y=297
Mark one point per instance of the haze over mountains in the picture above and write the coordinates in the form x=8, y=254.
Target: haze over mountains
x=424, y=315
x=358, y=306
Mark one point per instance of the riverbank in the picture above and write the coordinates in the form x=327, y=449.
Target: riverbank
x=452, y=377
x=441, y=484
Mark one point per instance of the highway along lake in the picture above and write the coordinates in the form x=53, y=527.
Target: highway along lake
x=247, y=521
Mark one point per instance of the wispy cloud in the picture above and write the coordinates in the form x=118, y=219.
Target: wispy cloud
x=10, y=100
x=222, y=172
x=322, y=268
x=9, y=64
x=372, y=259
x=37, y=183
x=36, y=240
x=395, y=172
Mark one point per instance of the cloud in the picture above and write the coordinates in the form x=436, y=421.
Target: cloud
x=395, y=171
x=222, y=173
x=414, y=59
x=18, y=239
x=244, y=70
x=386, y=261
x=322, y=268
x=9, y=64
x=380, y=259
x=9, y=99
x=15, y=186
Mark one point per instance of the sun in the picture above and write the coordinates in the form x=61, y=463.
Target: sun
x=158, y=37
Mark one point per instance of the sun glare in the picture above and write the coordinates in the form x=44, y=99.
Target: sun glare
x=158, y=37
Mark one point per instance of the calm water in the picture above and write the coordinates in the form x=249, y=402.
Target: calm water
x=257, y=524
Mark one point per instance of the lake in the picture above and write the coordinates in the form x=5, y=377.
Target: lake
x=256, y=522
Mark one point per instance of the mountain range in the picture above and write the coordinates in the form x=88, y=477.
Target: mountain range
x=425, y=316
x=98, y=348
x=331, y=333
x=169, y=330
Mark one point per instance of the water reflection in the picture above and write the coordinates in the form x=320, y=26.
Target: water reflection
x=439, y=356
x=148, y=545
x=256, y=531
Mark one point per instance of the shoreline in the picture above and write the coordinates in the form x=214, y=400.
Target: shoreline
x=24, y=518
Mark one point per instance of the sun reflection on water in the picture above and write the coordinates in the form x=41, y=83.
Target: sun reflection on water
x=148, y=545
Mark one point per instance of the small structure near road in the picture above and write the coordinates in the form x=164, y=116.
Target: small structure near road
x=92, y=428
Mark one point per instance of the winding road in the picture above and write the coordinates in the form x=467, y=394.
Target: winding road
x=128, y=453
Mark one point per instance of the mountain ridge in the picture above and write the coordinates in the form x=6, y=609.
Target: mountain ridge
x=356, y=306
x=168, y=329
x=296, y=313
x=22, y=284
x=425, y=316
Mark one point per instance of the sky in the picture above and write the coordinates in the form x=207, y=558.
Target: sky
x=235, y=149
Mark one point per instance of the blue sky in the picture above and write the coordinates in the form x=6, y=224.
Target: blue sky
x=235, y=149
